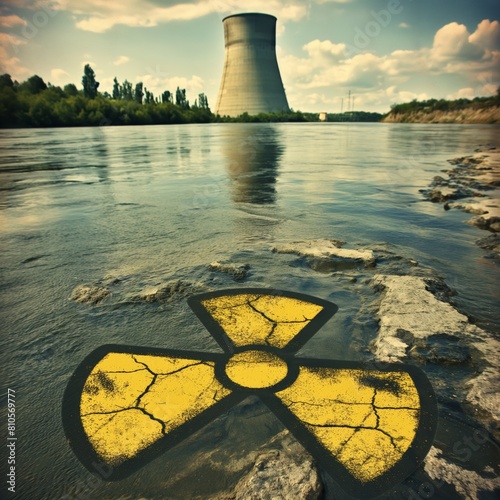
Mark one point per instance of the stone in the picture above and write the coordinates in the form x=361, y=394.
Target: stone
x=237, y=271
x=322, y=250
x=278, y=475
x=491, y=243
x=413, y=322
x=90, y=294
x=167, y=292
x=468, y=484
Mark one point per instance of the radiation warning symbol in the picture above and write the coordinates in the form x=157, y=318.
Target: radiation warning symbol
x=368, y=427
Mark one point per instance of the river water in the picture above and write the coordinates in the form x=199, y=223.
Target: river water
x=143, y=206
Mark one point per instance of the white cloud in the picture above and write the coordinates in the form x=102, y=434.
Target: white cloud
x=59, y=76
x=326, y=68
x=11, y=21
x=99, y=16
x=403, y=25
x=121, y=60
x=9, y=62
x=158, y=84
x=325, y=49
x=487, y=35
x=452, y=42
x=465, y=93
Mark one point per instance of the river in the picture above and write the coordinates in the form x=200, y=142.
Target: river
x=143, y=206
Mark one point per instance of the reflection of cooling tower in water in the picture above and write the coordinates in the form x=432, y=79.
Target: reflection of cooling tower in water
x=253, y=155
x=251, y=81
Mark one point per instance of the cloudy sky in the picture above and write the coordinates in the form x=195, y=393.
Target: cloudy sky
x=383, y=51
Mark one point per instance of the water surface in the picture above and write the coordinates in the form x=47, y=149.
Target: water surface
x=148, y=205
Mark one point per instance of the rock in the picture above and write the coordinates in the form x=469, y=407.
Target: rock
x=439, y=181
x=168, y=292
x=278, y=475
x=323, y=250
x=491, y=223
x=436, y=196
x=413, y=322
x=491, y=243
x=471, y=177
x=468, y=484
x=484, y=391
x=495, y=227
x=90, y=294
x=440, y=349
x=408, y=305
x=237, y=271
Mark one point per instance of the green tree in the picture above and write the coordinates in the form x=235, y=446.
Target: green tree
x=166, y=96
x=70, y=89
x=117, y=91
x=33, y=85
x=127, y=92
x=138, y=93
x=90, y=85
x=6, y=81
x=150, y=98
x=203, y=101
x=180, y=98
x=9, y=104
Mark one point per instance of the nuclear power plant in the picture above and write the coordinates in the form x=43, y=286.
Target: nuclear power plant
x=251, y=80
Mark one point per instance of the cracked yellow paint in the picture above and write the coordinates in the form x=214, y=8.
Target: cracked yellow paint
x=366, y=419
x=256, y=369
x=361, y=422
x=257, y=319
x=130, y=401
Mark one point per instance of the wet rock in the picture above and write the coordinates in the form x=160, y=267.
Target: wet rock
x=445, y=194
x=470, y=208
x=439, y=181
x=279, y=475
x=90, y=294
x=408, y=305
x=491, y=223
x=491, y=243
x=440, y=349
x=468, y=484
x=414, y=323
x=471, y=177
x=494, y=225
x=168, y=292
x=324, y=250
x=237, y=271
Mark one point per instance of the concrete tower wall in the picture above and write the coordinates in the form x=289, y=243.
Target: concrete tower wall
x=251, y=80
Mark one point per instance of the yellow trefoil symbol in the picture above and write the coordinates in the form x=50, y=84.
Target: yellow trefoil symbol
x=369, y=427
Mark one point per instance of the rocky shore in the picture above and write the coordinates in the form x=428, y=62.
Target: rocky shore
x=417, y=323
x=473, y=186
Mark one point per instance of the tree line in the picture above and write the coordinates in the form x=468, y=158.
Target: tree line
x=33, y=103
x=432, y=105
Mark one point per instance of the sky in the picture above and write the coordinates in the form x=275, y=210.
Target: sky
x=382, y=51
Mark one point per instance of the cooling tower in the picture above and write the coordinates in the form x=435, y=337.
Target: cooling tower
x=251, y=80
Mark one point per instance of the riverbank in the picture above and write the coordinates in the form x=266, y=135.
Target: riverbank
x=418, y=323
x=468, y=115
x=473, y=186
